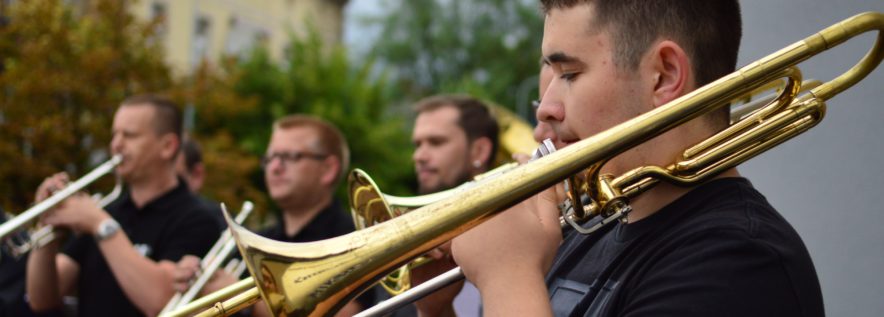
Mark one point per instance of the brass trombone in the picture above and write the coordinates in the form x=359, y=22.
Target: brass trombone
x=370, y=206
x=9, y=230
x=316, y=279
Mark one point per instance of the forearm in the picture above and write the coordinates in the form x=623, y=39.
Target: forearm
x=517, y=295
x=144, y=281
x=42, y=279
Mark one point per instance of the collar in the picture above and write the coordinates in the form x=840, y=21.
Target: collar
x=165, y=201
x=714, y=189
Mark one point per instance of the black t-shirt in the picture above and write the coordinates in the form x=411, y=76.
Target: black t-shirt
x=166, y=228
x=214, y=209
x=328, y=223
x=720, y=250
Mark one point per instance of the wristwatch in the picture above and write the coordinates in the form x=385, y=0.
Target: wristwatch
x=106, y=229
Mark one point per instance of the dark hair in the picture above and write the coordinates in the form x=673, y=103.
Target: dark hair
x=709, y=30
x=193, y=155
x=330, y=140
x=475, y=118
x=167, y=114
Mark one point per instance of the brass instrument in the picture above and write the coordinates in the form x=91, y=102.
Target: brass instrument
x=370, y=206
x=210, y=263
x=317, y=278
x=10, y=230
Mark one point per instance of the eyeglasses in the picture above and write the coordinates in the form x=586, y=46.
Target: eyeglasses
x=292, y=157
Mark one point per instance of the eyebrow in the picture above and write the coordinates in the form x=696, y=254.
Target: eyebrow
x=560, y=57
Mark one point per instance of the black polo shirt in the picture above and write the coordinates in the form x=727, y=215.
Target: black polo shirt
x=328, y=223
x=167, y=228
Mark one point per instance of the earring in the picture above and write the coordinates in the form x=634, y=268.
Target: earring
x=477, y=164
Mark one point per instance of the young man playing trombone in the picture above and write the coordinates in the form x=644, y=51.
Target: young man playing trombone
x=715, y=249
x=121, y=262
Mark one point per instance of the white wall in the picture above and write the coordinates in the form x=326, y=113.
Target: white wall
x=828, y=182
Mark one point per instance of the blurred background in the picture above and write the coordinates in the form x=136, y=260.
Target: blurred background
x=236, y=65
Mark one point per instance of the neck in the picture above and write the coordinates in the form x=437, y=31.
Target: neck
x=296, y=216
x=662, y=195
x=148, y=189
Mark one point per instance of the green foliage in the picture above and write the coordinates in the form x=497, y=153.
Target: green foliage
x=232, y=172
x=66, y=68
x=64, y=72
x=489, y=48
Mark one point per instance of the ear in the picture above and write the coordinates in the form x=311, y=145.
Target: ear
x=330, y=173
x=672, y=73
x=480, y=150
x=170, y=145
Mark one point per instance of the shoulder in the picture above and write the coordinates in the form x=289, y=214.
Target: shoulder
x=731, y=248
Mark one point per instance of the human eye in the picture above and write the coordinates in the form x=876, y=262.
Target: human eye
x=569, y=77
x=437, y=141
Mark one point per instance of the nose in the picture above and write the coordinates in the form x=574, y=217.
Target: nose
x=550, y=110
x=116, y=145
x=420, y=155
x=275, y=165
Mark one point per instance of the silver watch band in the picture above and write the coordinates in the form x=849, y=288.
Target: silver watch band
x=106, y=229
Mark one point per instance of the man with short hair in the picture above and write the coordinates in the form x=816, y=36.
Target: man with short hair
x=714, y=249
x=190, y=167
x=305, y=161
x=455, y=139
x=121, y=262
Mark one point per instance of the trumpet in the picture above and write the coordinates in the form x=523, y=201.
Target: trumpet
x=317, y=278
x=10, y=229
x=211, y=262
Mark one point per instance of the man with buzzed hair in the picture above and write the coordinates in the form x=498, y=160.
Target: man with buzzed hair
x=715, y=249
x=122, y=261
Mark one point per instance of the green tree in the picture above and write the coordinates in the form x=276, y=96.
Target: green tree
x=232, y=171
x=64, y=71
x=488, y=48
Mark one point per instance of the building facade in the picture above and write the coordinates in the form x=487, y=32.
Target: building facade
x=197, y=30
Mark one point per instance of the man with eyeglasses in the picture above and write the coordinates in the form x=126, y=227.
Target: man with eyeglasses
x=305, y=161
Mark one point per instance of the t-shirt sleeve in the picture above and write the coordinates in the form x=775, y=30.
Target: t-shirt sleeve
x=193, y=234
x=717, y=273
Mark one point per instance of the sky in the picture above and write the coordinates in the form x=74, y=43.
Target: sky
x=357, y=36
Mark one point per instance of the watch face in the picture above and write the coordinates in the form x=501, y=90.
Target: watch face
x=107, y=228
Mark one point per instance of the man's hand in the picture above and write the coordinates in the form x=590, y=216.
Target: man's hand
x=79, y=213
x=51, y=185
x=441, y=302
x=508, y=256
x=185, y=271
